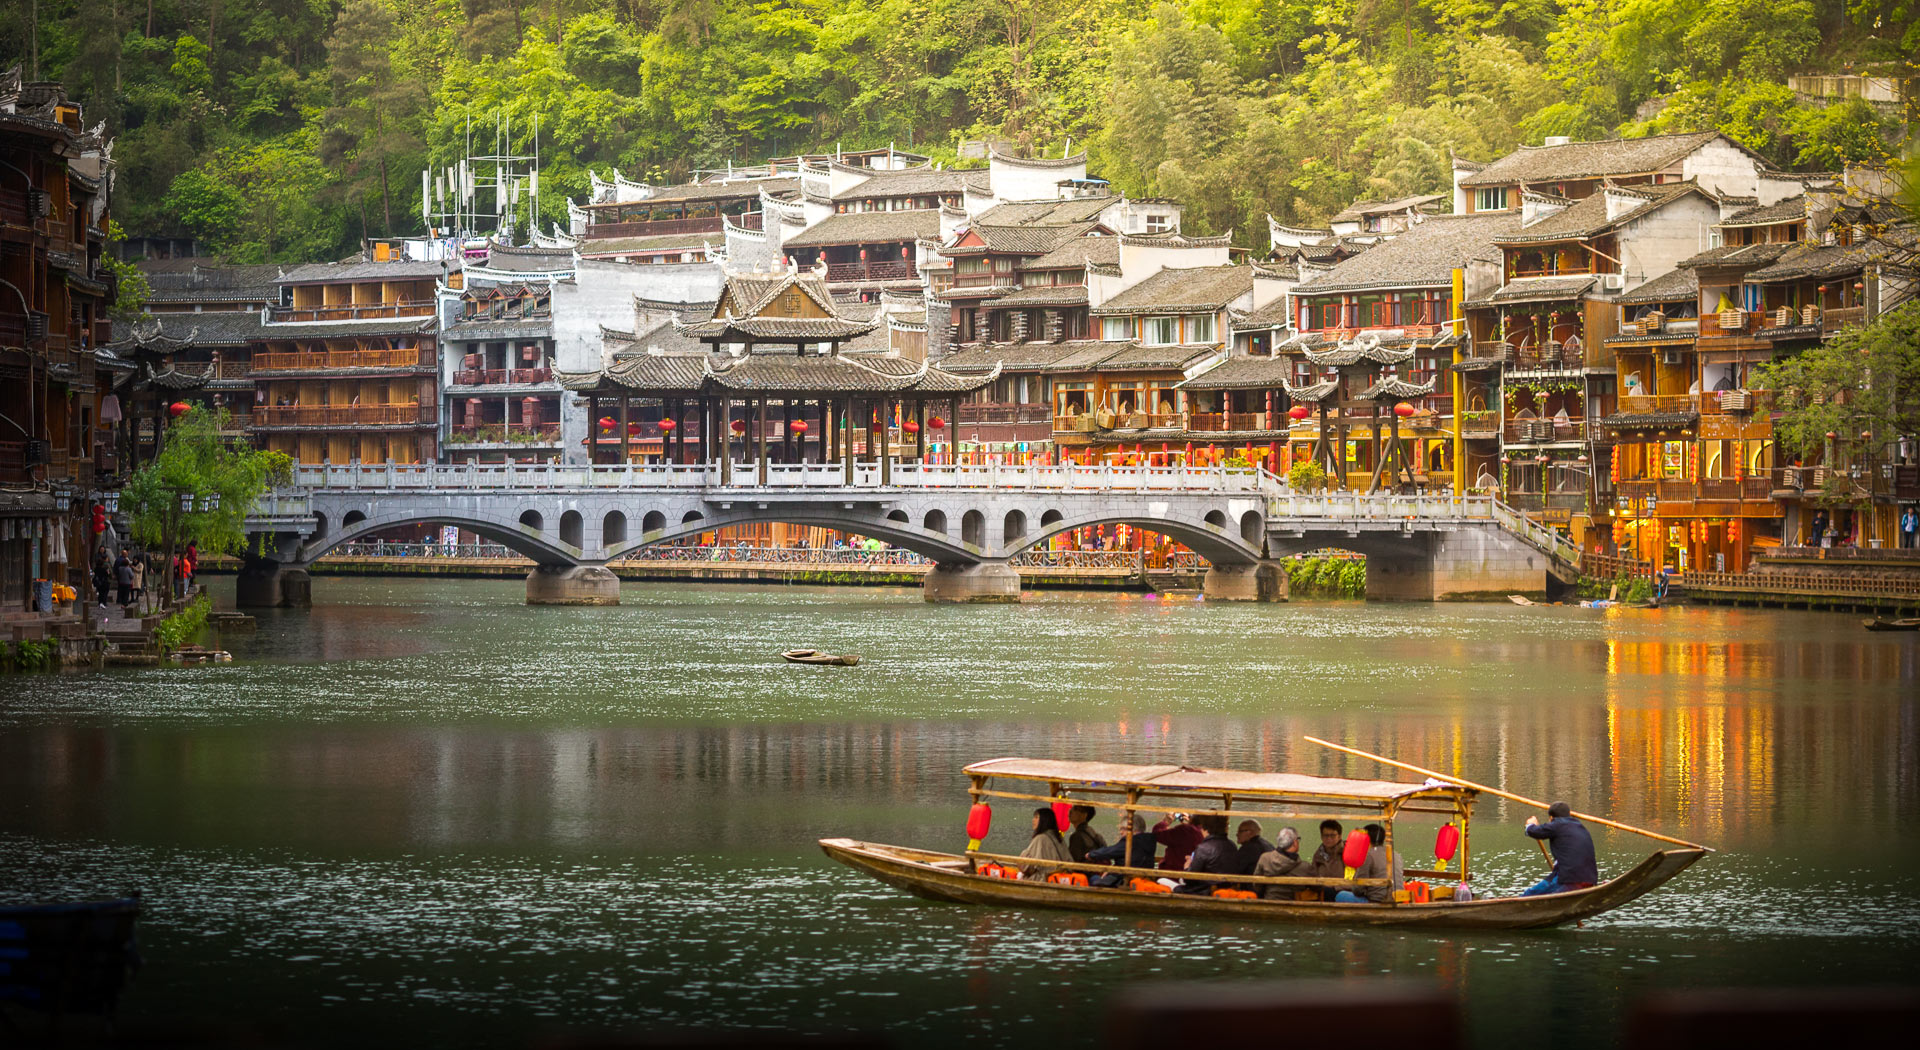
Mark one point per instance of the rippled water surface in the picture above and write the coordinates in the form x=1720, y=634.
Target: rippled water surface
x=422, y=806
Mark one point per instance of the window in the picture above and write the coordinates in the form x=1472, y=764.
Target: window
x=1116, y=328
x=1159, y=223
x=1161, y=331
x=1200, y=329
x=1491, y=199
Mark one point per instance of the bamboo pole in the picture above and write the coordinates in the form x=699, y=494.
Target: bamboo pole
x=1507, y=795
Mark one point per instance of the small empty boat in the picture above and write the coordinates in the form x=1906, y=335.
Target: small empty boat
x=815, y=656
x=1884, y=624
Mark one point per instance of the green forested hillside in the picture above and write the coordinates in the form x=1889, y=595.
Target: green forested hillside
x=287, y=129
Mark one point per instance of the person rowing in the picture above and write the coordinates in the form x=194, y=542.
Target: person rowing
x=1574, y=864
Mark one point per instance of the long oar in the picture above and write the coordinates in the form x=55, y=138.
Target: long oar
x=1451, y=779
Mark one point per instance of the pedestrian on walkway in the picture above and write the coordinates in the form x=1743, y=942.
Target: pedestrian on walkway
x=123, y=574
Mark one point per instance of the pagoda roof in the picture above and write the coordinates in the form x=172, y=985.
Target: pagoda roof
x=1393, y=388
x=1353, y=351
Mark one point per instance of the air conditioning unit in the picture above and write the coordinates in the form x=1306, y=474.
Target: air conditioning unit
x=39, y=203
x=1613, y=282
x=1671, y=357
x=36, y=325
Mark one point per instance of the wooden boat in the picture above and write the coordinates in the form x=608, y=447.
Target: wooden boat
x=1302, y=801
x=1884, y=624
x=67, y=958
x=815, y=656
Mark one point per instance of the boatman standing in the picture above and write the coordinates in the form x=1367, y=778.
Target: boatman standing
x=1574, y=866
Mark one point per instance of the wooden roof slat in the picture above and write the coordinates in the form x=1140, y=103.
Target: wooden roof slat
x=1188, y=778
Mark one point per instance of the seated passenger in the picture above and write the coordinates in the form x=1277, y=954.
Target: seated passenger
x=1252, y=846
x=1141, y=857
x=1326, y=863
x=1044, y=845
x=1084, y=839
x=1282, y=862
x=1180, y=837
x=1574, y=864
x=1375, y=867
x=1216, y=855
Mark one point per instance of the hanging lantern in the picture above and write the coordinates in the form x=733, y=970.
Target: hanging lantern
x=1299, y=412
x=667, y=425
x=1866, y=435
x=1831, y=435
x=979, y=822
x=633, y=429
x=178, y=409
x=606, y=422
x=1446, y=844
x=1060, y=810
x=937, y=423
x=799, y=426
x=1403, y=410
x=1355, y=852
x=910, y=427
x=738, y=426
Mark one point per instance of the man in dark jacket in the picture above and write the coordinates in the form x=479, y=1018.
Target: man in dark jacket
x=1084, y=839
x=1574, y=864
x=1252, y=845
x=1217, y=854
x=1144, y=846
x=123, y=575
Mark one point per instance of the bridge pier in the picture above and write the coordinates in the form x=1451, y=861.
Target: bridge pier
x=266, y=584
x=987, y=581
x=1466, y=565
x=1263, y=581
x=572, y=585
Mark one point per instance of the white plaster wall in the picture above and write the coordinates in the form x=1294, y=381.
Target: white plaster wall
x=1266, y=289
x=1014, y=181
x=1724, y=168
x=1653, y=244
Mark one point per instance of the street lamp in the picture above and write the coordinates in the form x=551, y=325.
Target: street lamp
x=186, y=501
x=62, y=499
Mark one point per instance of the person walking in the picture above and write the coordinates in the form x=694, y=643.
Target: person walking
x=123, y=575
x=139, y=579
x=1909, y=526
x=102, y=578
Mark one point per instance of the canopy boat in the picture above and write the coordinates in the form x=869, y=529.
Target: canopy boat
x=1884, y=624
x=979, y=877
x=815, y=656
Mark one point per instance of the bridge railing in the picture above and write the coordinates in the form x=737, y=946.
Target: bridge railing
x=1546, y=540
x=1380, y=506
x=521, y=477
x=747, y=553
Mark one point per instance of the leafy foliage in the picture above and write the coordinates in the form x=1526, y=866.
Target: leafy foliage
x=1866, y=381
x=287, y=129
x=197, y=459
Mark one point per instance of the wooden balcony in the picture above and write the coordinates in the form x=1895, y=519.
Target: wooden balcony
x=1633, y=403
x=974, y=412
x=1228, y=421
x=669, y=227
x=331, y=359
x=885, y=270
x=504, y=434
x=421, y=308
x=1542, y=430
x=343, y=415
x=502, y=376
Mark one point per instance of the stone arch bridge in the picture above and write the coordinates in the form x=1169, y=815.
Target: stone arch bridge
x=969, y=521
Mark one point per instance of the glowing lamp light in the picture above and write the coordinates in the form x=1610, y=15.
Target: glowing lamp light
x=800, y=426
x=1403, y=410
x=667, y=425
x=1354, y=853
x=1866, y=435
x=1446, y=844
x=178, y=409
x=1831, y=435
x=1299, y=412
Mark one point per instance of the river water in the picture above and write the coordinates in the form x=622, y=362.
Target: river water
x=424, y=807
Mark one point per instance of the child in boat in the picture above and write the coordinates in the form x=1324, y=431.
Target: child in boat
x=1045, y=844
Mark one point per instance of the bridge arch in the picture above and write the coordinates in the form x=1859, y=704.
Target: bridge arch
x=650, y=522
x=1014, y=528
x=515, y=537
x=1212, y=537
x=613, y=528
x=936, y=522
x=531, y=519
x=973, y=529
x=572, y=528
x=894, y=527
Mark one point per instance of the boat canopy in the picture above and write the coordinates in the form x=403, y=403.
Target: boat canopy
x=1165, y=779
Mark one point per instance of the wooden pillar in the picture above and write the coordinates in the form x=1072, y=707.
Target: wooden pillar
x=760, y=437
x=786, y=430
x=593, y=428
x=920, y=436
x=626, y=455
x=846, y=441
x=886, y=446
x=725, y=444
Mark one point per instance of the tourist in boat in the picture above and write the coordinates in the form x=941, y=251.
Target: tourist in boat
x=1084, y=839
x=1574, y=864
x=1282, y=862
x=1252, y=845
x=1375, y=867
x=1045, y=844
x=1216, y=855
x=1181, y=837
x=1326, y=862
x=1144, y=846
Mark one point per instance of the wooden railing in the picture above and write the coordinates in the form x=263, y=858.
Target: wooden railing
x=1546, y=430
x=666, y=227
x=342, y=415
x=1225, y=421
x=298, y=360
x=350, y=311
x=1003, y=412
x=1612, y=566
x=233, y=369
x=884, y=270
x=1659, y=402
x=499, y=376
x=503, y=433
x=1832, y=584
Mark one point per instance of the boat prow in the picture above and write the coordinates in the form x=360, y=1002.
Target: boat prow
x=950, y=877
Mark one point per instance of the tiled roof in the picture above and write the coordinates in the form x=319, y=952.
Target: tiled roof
x=1817, y=260
x=1088, y=355
x=868, y=227
x=1393, y=388
x=1044, y=295
x=1019, y=357
x=314, y=273
x=211, y=327
x=1162, y=358
x=1076, y=253
x=1243, y=373
x=1046, y=213
x=528, y=260
x=516, y=328
x=1586, y=160
x=1074, y=161
x=644, y=371
x=738, y=189
x=1586, y=217
x=1792, y=209
x=1541, y=290
x=1423, y=257
x=1036, y=239
x=774, y=371
x=777, y=329
x=1668, y=287
x=1361, y=209
x=632, y=245
x=1353, y=351
x=211, y=284
x=912, y=182
x=1184, y=290
x=1275, y=314
x=1737, y=256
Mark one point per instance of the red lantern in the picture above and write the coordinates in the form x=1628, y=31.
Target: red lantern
x=99, y=518
x=1060, y=810
x=1446, y=844
x=1299, y=412
x=667, y=425
x=738, y=426
x=1403, y=410
x=910, y=427
x=606, y=422
x=937, y=423
x=633, y=429
x=1355, y=852
x=979, y=821
x=799, y=426
x=179, y=408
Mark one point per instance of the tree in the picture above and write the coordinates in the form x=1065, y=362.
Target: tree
x=1862, y=387
x=371, y=126
x=221, y=477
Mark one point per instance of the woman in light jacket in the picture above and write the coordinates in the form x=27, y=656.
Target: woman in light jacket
x=1046, y=844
